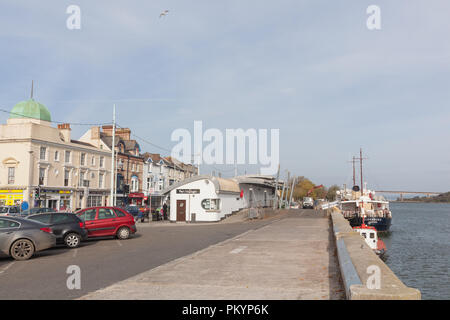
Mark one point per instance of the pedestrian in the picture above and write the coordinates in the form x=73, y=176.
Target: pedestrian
x=165, y=211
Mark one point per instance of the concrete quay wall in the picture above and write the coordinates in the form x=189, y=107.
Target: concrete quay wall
x=364, y=274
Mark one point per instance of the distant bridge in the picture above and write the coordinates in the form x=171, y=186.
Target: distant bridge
x=401, y=193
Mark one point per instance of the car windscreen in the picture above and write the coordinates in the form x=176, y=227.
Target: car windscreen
x=3, y=209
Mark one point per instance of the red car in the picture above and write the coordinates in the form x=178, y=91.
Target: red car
x=107, y=221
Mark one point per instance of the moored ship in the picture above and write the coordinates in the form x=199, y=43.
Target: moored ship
x=361, y=206
x=371, y=237
x=369, y=208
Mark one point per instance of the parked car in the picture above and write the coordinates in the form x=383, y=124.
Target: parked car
x=295, y=205
x=31, y=211
x=67, y=227
x=133, y=210
x=9, y=210
x=308, y=203
x=107, y=221
x=21, y=238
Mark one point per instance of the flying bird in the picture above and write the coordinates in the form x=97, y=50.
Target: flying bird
x=164, y=13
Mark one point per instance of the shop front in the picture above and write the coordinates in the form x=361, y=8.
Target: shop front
x=97, y=198
x=136, y=198
x=60, y=200
x=13, y=197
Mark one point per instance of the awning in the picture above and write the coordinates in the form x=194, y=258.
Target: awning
x=136, y=195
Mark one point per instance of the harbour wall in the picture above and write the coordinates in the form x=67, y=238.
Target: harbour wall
x=365, y=276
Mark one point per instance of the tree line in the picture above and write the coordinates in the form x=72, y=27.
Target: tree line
x=304, y=185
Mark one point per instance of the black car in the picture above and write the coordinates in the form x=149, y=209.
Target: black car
x=31, y=211
x=67, y=227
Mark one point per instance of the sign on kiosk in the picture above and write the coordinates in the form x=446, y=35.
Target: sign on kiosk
x=188, y=191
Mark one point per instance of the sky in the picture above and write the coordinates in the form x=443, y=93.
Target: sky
x=311, y=69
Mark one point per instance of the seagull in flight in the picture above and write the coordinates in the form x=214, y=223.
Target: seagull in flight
x=164, y=13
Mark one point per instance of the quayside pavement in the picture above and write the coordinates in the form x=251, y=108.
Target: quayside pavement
x=293, y=257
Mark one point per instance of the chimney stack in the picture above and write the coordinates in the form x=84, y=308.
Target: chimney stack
x=64, y=128
x=95, y=133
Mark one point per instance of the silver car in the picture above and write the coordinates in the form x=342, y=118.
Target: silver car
x=21, y=238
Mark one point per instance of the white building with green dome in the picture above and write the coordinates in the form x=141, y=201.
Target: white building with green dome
x=36, y=156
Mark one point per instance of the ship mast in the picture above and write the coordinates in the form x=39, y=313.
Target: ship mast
x=361, y=168
x=354, y=174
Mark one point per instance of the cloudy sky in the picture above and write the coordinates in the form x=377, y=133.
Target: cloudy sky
x=309, y=68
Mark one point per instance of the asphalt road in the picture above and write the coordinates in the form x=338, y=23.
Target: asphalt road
x=107, y=261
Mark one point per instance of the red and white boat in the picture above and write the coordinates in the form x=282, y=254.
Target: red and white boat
x=371, y=236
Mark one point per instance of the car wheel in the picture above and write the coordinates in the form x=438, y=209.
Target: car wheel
x=72, y=240
x=22, y=249
x=123, y=233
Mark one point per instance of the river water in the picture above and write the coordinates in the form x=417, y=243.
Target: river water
x=418, y=247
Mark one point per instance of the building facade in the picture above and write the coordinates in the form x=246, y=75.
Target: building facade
x=129, y=163
x=44, y=167
x=160, y=173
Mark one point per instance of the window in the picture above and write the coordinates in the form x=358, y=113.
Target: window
x=211, y=204
x=83, y=159
x=119, y=213
x=5, y=223
x=134, y=184
x=106, y=214
x=42, y=153
x=11, y=175
x=102, y=160
x=94, y=201
x=67, y=157
x=41, y=176
x=88, y=215
x=14, y=210
x=63, y=218
x=364, y=235
x=56, y=156
x=100, y=180
x=66, y=177
x=93, y=161
x=81, y=178
x=43, y=218
x=372, y=235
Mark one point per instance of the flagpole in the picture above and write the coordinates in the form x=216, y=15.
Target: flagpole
x=113, y=171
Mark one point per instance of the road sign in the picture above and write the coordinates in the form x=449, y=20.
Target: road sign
x=24, y=206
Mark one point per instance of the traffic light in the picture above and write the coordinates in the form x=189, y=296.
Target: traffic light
x=126, y=189
x=37, y=193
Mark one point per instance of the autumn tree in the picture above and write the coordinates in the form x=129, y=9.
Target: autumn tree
x=331, y=194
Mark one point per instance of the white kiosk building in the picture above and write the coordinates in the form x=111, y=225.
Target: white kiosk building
x=208, y=198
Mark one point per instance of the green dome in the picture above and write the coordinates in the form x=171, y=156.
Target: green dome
x=30, y=109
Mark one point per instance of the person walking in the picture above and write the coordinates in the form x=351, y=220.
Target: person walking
x=165, y=211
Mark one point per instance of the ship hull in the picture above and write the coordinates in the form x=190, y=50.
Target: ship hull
x=380, y=224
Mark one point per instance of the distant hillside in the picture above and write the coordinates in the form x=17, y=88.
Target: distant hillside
x=443, y=197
